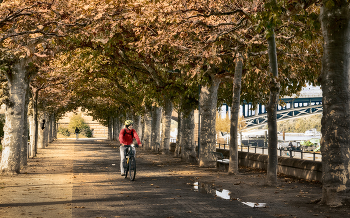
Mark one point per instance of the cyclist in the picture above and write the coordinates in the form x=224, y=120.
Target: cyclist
x=126, y=137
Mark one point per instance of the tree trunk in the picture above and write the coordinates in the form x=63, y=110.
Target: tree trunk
x=46, y=129
x=187, y=142
x=233, y=165
x=14, y=119
x=156, y=115
x=271, y=109
x=54, y=129
x=116, y=130
x=36, y=123
x=148, y=129
x=179, y=134
x=138, y=126
x=110, y=128
x=142, y=119
x=166, y=126
x=208, y=103
x=41, y=133
x=50, y=128
x=24, y=148
x=31, y=135
x=335, y=83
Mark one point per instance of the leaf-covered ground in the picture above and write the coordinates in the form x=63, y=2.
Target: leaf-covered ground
x=82, y=179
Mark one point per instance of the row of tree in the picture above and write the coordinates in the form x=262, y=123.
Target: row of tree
x=128, y=58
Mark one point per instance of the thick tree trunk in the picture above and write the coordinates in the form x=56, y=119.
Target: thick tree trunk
x=36, y=123
x=166, y=126
x=41, y=132
x=178, y=150
x=24, y=148
x=142, y=129
x=335, y=83
x=233, y=166
x=156, y=115
x=148, y=129
x=208, y=103
x=31, y=135
x=46, y=130
x=50, y=128
x=14, y=119
x=272, y=114
x=54, y=129
x=110, y=128
x=187, y=142
x=116, y=129
x=138, y=125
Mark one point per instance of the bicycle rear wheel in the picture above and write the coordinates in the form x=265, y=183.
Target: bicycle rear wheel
x=132, y=168
x=126, y=167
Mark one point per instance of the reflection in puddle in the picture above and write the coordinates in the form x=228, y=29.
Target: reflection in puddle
x=223, y=193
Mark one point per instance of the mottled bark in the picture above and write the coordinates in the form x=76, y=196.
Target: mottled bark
x=148, y=129
x=138, y=125
x=233, y=166
x=116, y=129
x=54, y=127
x=166, y=126
x=24, y=148
x=41, y=132
x=179, y=134
x=335, y=83
x=187, y=142
x=49, y=128
x=271, y=109
x=156, y=115
x=110, y=128
x=36, y=123
x=31, y=135
x=14, y=119
x=208, y=103
x=46, y=130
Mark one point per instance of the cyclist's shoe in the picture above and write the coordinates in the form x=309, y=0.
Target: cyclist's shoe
x=123, y=174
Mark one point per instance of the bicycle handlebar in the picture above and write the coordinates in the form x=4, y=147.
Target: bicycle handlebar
x=132, y=145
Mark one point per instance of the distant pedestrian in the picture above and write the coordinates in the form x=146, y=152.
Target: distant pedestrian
x=290, y=146
x=77, y=131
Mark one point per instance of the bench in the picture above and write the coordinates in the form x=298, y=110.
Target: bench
x=221, y=162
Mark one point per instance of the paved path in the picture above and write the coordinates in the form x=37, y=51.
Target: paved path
x=82, y=179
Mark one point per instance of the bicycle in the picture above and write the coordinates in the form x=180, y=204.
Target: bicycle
x=130, y=162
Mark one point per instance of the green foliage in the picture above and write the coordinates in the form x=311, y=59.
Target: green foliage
x=307, y=143
x=64, y=131
x=77, y=121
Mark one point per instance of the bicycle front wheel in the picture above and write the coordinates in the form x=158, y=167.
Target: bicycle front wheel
x=132, y=168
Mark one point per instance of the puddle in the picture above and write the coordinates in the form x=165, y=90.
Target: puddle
x=222, y=193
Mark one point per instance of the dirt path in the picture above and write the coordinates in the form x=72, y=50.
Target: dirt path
x=82, y=179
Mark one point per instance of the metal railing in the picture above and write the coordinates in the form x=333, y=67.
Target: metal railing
x=282, y=152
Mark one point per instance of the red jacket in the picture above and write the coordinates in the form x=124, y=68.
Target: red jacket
x=125, y=136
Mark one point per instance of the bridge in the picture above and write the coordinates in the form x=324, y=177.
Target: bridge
x=292, y=108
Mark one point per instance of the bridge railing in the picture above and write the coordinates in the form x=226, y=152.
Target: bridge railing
x=282, y=152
